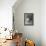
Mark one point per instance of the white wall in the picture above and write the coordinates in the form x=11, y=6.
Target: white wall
x=31, y=32
x=43, y=22
x=6, y=13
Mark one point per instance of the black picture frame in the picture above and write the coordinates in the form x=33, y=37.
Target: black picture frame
x=28, y=19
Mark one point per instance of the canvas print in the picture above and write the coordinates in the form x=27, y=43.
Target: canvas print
x=28, y=18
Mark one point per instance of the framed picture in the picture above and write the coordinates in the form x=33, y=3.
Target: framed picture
x=28, y=18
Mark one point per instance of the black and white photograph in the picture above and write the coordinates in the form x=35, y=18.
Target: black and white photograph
x=28, y=18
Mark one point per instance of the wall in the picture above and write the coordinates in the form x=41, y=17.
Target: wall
x=43, y=22
x=6, y=13
x=30, y=32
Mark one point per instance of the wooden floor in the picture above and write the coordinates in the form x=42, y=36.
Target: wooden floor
x=9, y=43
